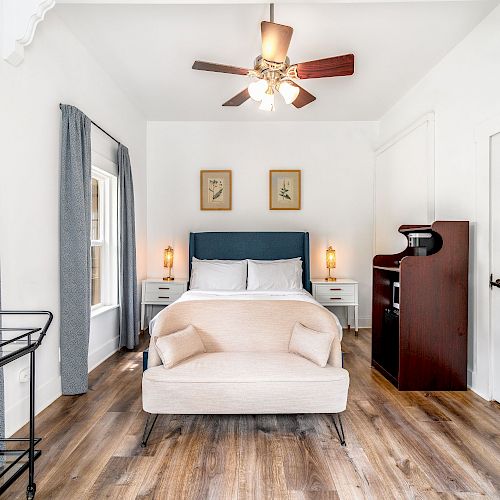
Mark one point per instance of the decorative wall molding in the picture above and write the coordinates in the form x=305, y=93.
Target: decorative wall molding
x=20, y=19
x=428, y=120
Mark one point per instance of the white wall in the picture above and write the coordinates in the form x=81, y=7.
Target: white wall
x=336, y=159
x=57, y=68
x=463, y=90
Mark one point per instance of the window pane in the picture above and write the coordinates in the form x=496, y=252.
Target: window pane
x=96, y=276
x=95, y=210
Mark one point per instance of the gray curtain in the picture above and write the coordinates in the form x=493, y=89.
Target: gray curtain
x=74, y=248
x=129, y=307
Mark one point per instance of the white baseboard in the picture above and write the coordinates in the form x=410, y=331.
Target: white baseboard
x=470, y=384
x=17, y=415
x=102, y=353
x=363, y=322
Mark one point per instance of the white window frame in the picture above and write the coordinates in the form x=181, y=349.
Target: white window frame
x=108, y=239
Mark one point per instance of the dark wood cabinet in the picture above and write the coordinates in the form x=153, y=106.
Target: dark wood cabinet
x=422, y=346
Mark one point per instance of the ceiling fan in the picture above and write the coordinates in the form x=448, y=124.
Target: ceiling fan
x=274, y=73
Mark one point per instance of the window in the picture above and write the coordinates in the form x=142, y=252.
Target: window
x=104, y=256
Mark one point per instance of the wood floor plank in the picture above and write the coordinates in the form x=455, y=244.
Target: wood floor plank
x=411, y=445
x=246, y=444
x=270, y=474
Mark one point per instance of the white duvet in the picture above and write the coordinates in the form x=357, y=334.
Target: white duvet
x=300, y=295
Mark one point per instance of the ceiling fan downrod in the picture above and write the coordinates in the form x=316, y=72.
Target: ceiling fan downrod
x=271, y=12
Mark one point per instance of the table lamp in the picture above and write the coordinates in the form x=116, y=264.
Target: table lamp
x=168, y=262
x=331, y=262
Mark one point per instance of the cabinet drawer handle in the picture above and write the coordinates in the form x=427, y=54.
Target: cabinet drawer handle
x=335, y=298
x=335, y=289
x=162, y=297
x=163, y=288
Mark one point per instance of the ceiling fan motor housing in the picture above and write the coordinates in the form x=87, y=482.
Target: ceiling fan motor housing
x=273, y=72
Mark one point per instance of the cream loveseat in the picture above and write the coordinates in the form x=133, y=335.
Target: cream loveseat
x=246, y=368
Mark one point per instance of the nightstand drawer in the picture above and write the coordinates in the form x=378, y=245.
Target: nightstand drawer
x=162, y=292
x=335, y=300
x=335, y=293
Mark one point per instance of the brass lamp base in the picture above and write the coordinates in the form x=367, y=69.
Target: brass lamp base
x=169, y=277
x=330, y=278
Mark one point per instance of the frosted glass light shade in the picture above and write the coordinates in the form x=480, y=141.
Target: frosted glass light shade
x=288, y=91
x=331, y=258
x=267, y=103
x=257, y=90
x=168, y=257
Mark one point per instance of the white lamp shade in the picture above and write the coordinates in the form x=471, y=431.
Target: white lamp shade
x=267, y=103
x=257, y=90
x=288, y=91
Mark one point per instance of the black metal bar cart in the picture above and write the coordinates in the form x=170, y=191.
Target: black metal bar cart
x=19, y=454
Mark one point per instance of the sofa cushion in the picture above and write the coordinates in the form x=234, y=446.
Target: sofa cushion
x=179, y=346
x=311, y=344
x=245, y=382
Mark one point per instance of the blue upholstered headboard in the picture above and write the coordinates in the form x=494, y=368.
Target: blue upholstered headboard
x=252, y=245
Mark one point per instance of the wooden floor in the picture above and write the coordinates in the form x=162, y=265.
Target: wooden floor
x=399, y=445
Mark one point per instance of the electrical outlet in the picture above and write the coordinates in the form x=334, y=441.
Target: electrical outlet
x=24, y=375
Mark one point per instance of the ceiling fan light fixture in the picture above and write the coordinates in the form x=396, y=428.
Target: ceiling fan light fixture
x=258, y=89
x=267, y=103
x=288, y=91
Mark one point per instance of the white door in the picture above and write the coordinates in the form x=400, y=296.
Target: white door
x=495, y=262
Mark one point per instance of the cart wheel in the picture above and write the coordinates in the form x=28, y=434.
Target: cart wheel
x=30, y=492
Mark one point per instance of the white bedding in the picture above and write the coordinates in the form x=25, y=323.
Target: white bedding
x=300, y=295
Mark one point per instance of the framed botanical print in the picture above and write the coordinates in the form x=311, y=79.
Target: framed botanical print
x=284, y=189
x=215, y=190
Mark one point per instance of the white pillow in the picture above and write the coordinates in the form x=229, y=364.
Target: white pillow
x=179, y=346
x=218, y=275
x=310, y=344
x=283, y=275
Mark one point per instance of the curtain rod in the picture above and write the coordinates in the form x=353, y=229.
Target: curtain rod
x=100, y=128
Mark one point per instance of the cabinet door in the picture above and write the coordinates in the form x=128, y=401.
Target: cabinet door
x=385, y=325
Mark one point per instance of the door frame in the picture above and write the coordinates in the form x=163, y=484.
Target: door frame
x=482, y=374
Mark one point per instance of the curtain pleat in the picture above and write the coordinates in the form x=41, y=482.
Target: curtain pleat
x=129, y=307
x=74, y=247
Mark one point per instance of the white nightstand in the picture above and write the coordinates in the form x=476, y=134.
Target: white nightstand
x=156, y=292
x=340, y=293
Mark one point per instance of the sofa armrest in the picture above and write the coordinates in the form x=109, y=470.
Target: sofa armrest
x=153, y=357
x=335, y=358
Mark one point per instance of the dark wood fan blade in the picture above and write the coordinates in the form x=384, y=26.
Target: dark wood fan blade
x=304, y=98
x=219, y=68
x=275, y=41
x=238, y=99
x=324, y=68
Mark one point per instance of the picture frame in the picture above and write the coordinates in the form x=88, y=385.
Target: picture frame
x=285, y=190
x=216, y=190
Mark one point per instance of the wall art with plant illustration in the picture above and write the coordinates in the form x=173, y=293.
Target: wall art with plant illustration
x=215, y=190
x=284, y=190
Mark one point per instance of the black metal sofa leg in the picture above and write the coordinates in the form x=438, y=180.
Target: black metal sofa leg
x=339, y=428
x=150, y=423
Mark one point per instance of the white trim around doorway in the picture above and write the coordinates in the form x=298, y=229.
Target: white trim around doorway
x=483, y=349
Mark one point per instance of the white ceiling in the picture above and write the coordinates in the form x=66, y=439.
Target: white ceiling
x=149, y=49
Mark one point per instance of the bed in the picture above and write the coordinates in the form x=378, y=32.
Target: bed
x=246, y=367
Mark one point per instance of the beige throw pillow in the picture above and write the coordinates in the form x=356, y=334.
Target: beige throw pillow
x=310, y=344
x=179, y=346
